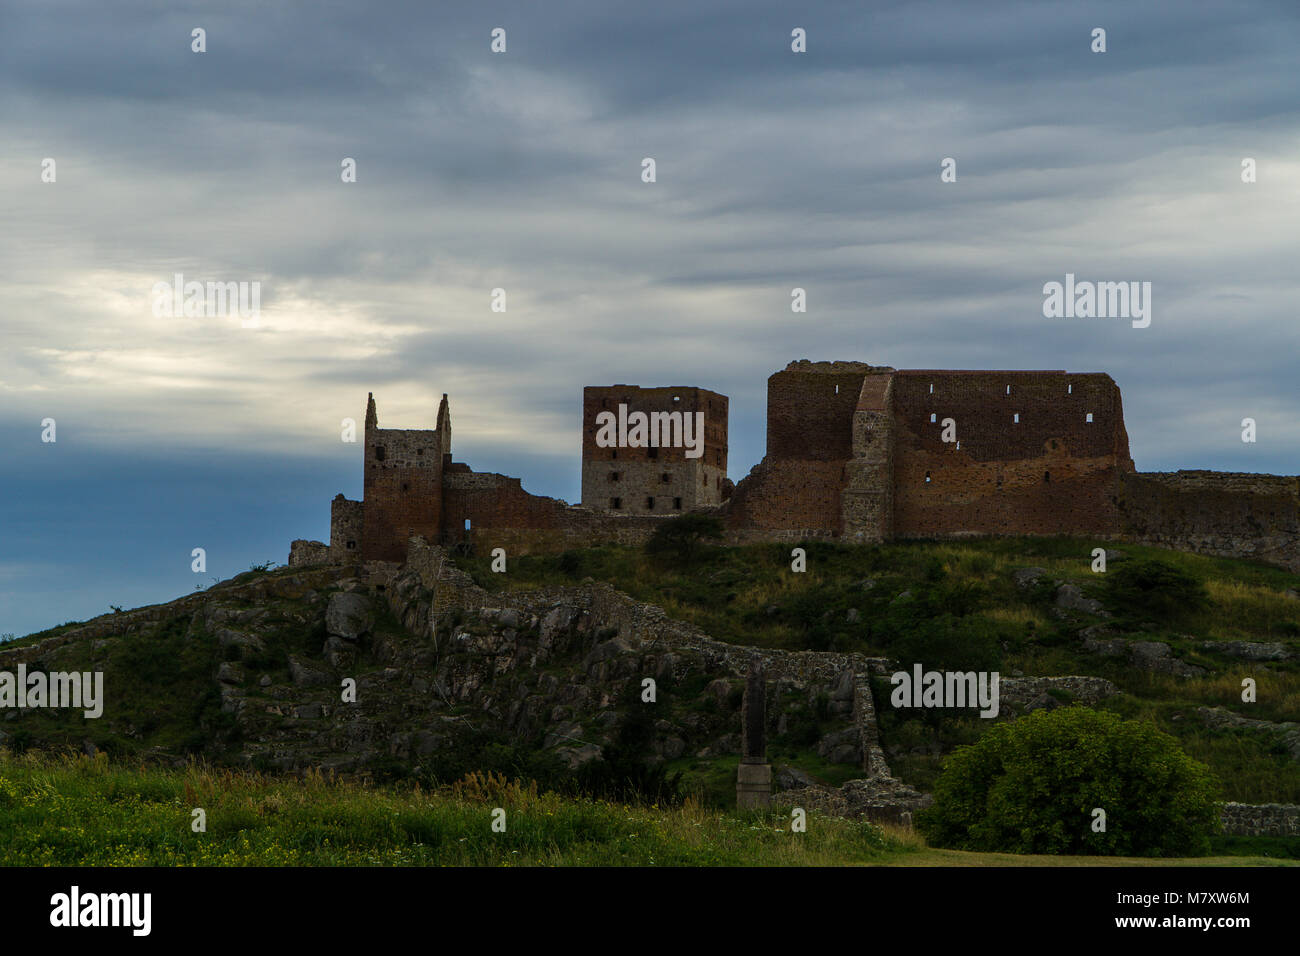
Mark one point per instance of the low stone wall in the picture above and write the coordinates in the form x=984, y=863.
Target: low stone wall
x=1264, y=819
x=1228, y=514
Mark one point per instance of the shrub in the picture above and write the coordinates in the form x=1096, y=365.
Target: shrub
x=1155, y=589
x=570, y=563
x=682, y=537
x=1031, y=786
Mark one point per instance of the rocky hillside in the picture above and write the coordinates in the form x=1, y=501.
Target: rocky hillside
x=417, y=671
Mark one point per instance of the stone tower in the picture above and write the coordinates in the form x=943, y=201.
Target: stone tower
x=403, y=484
x=651, y=473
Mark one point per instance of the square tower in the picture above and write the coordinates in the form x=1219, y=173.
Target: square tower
x=653, y=450
x=403, y=484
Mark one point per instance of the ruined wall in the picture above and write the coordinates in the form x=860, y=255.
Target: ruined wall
x=796, y=490
x=403, y=486
x=855, y=452
x=502, y=515
x=653, y=480
x=306, y=554
x=810, y=408
x=347, y=521
x=1229, y=514
x=1026, y=460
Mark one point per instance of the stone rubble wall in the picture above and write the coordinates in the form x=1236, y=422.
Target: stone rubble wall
x=1265, y=819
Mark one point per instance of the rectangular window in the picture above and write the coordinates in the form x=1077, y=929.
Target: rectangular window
x=649, y=504
x=677, y=504
x=616, y=503
x=1016, y=418
x=1089, y=417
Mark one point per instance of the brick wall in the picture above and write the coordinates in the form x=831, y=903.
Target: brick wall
x=403, y=486
x=799, y=485
x=810, y=408
x=850, y=446
x=503, y=515
x=1052, y=471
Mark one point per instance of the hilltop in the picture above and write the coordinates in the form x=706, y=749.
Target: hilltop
x=538, y=672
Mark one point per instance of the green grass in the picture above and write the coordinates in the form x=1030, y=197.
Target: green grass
x=87, y=812
x=79, y=811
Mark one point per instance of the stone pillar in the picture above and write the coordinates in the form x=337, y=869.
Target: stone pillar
x=754, y=775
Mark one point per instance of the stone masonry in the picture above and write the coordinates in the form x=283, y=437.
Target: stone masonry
x=855, y=452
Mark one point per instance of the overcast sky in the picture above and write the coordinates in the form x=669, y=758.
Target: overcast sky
x=523, y=170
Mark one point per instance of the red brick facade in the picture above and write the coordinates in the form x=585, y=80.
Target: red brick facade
x=854, y=452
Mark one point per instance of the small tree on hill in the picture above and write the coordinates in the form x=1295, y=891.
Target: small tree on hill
x=1155, y=589
x=683, y=536
x=1033, y=785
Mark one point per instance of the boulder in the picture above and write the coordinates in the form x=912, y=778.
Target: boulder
x=349, y=615
x=228, y=673
x=792, y=778
x=1026, y=578
x=1250, y=650
x=1156, y=656
x=304, y=675
x=1069, y=597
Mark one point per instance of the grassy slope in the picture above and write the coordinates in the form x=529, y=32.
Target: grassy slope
x=82, y=811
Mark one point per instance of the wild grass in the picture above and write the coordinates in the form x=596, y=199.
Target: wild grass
x=79, y=811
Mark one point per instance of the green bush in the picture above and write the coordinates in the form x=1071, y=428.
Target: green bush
x=1155, y=589
x=1031, y=786
x=682, y=537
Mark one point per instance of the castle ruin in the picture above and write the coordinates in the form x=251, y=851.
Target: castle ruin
x=855, y=453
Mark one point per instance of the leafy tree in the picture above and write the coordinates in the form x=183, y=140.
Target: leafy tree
x=1032, y=785
x=682, y=537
